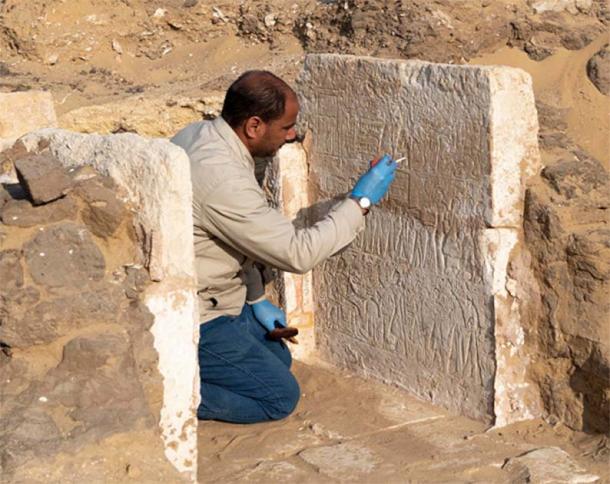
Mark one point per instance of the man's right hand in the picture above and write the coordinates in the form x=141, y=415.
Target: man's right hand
x=375, y=183
x=269, y=315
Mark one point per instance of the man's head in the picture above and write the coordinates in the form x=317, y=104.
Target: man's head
x=262, y=109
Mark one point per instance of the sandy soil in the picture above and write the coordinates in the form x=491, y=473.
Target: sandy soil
x=349, y=429
x=561, y=81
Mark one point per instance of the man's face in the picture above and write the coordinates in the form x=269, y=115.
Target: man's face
x=278, y=131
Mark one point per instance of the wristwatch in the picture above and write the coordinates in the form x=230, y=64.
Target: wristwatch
x=363, y=202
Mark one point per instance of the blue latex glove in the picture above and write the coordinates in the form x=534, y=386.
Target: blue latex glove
x=375, y=183
x=268, y=315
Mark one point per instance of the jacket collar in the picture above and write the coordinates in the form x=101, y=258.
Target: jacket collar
x=236, y=145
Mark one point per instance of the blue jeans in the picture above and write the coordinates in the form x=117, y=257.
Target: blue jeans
x=245, y=378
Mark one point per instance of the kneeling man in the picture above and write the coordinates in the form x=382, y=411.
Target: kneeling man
x=245, y=377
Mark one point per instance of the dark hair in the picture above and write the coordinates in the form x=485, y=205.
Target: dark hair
x=255, y=93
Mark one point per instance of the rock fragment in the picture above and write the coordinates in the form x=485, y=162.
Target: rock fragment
x=573, y=178
x=43, y=178
x=571, y=6
x=547, y=465
x=598, y=70
x=116, y=46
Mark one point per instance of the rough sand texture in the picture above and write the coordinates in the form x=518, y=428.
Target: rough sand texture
x=346, y=429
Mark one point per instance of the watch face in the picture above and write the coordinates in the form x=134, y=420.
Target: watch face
x=364, y=202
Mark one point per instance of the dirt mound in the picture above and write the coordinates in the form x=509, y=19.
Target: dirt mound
x=444, y=31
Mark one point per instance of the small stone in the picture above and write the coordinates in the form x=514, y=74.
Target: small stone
x=21, y=213
x=159, y=13
x=190, y=3
x=43, y=178
x=270, y=20
x=218, y=14
x=598, y=70
x=545, y=466
x=58, y=268
x=117, y=47
x=135, y=281
x=52, y=59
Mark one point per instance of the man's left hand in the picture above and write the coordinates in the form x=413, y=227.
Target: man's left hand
x=268, y=315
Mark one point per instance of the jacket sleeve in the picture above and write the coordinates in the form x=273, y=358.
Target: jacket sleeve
x=237, y=213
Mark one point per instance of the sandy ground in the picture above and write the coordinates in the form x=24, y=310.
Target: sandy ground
x=346, y=429
x=561, y=81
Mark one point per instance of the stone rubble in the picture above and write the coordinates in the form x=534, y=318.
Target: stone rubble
x=79, y=329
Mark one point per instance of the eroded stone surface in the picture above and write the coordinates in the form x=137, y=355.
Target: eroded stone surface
x=546, y=466
x=64, y=256
x=422, y=298
x=104, y=212
x=22, y=213
x=341, y=460
x=11, y=271
x=598, y=70
x=28, y=323
x=28, y=111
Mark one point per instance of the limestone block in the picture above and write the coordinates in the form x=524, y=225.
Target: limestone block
x=22, y=112
x=423, y=298
x=154, y=176
x=149, y=116
x=291, y=177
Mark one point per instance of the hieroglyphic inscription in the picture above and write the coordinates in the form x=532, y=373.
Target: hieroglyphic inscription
x=408, y=300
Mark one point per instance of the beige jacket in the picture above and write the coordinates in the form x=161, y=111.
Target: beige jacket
x=234, y=225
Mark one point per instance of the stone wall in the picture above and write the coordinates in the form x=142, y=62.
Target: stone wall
x=99, y=318
x=566, y=229
x=431, y=297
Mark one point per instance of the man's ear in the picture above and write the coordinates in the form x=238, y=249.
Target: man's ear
x=254, y=127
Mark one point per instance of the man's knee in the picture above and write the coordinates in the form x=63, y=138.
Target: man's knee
x=289, y=397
